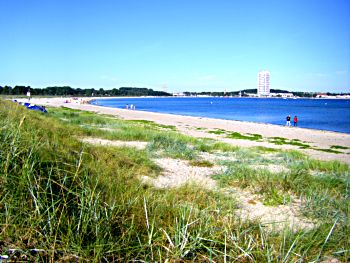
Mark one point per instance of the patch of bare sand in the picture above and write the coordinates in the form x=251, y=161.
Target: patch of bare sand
x=178, y=172
x=273, y=217
x=99, y=141
x=329, y=259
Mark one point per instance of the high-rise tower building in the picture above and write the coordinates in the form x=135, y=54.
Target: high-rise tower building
x=263, y=83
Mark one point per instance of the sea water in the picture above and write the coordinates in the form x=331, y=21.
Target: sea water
x=322, y=114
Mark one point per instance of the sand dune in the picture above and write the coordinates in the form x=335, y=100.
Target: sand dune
x=200, y=127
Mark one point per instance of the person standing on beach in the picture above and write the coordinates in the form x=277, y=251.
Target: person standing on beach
x=295, y=121
x=288, y=120
x=127, y=106
x=28, y=95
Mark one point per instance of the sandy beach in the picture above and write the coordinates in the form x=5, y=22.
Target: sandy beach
x=320, y=141
x=256, y=199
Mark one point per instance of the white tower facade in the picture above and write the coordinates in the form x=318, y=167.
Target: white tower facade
x=263, y=83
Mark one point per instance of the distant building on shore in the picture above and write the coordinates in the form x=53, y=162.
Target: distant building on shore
x=263, y=83
x=282, y=95
x=178, y=94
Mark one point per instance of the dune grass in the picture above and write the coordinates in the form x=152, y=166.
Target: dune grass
x=249, y=136
x=339, y=147
x=201, y=163
x=63, y=200
x=237, y=135
x=284, y=141
x=277, y=141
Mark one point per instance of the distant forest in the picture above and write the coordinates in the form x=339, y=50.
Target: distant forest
x=130, y=92
x=68, y=91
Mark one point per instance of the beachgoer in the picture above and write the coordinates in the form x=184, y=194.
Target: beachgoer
x=127, y=106
x=295, y=120
x=288, y=120
x=131, y=106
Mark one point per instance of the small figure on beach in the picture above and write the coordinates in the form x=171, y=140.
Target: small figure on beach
x=288, y=120
x=131, y=106
x=295, y=121
x=127, y=106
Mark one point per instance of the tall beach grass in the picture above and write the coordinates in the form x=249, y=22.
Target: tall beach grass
x=62, y=200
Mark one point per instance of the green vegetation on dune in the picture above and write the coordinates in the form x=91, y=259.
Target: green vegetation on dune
x=281, y=141
x=251, y=137
x=263, y=149
x=339, y=147
x=78, y=202
x=218, y=131
x=237, y=135
x=277, y=141
x=153, y=125
x=172, y=146
x=201, y=163
x=327, y=150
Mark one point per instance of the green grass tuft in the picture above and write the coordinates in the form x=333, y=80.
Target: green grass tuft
x=251, y=137
x=262, y=149
x=327, y=150
x=171, y=146
x=218, y=131
x=201, y=163
x=339, y=147
x=152, y=125
x=284, y=141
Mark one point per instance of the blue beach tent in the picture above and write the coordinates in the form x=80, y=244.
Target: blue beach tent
x=30, y=106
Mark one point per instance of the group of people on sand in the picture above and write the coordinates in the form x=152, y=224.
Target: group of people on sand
x=132, y=107
x=76, y=100
x=295, y=121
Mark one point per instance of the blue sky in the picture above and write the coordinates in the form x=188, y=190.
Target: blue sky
x=180, y=45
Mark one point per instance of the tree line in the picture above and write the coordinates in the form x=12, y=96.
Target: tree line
x=69, y=91
x=132, y=92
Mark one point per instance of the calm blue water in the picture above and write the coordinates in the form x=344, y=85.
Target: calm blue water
x=322, y=114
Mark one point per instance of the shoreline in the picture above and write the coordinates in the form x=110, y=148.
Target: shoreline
x=59, y=102
x=240, y=121
x=235, y=97
x=203, y=127
x=216, y=118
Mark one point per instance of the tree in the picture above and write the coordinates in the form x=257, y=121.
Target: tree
x=7, y=90
x=20, y=90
